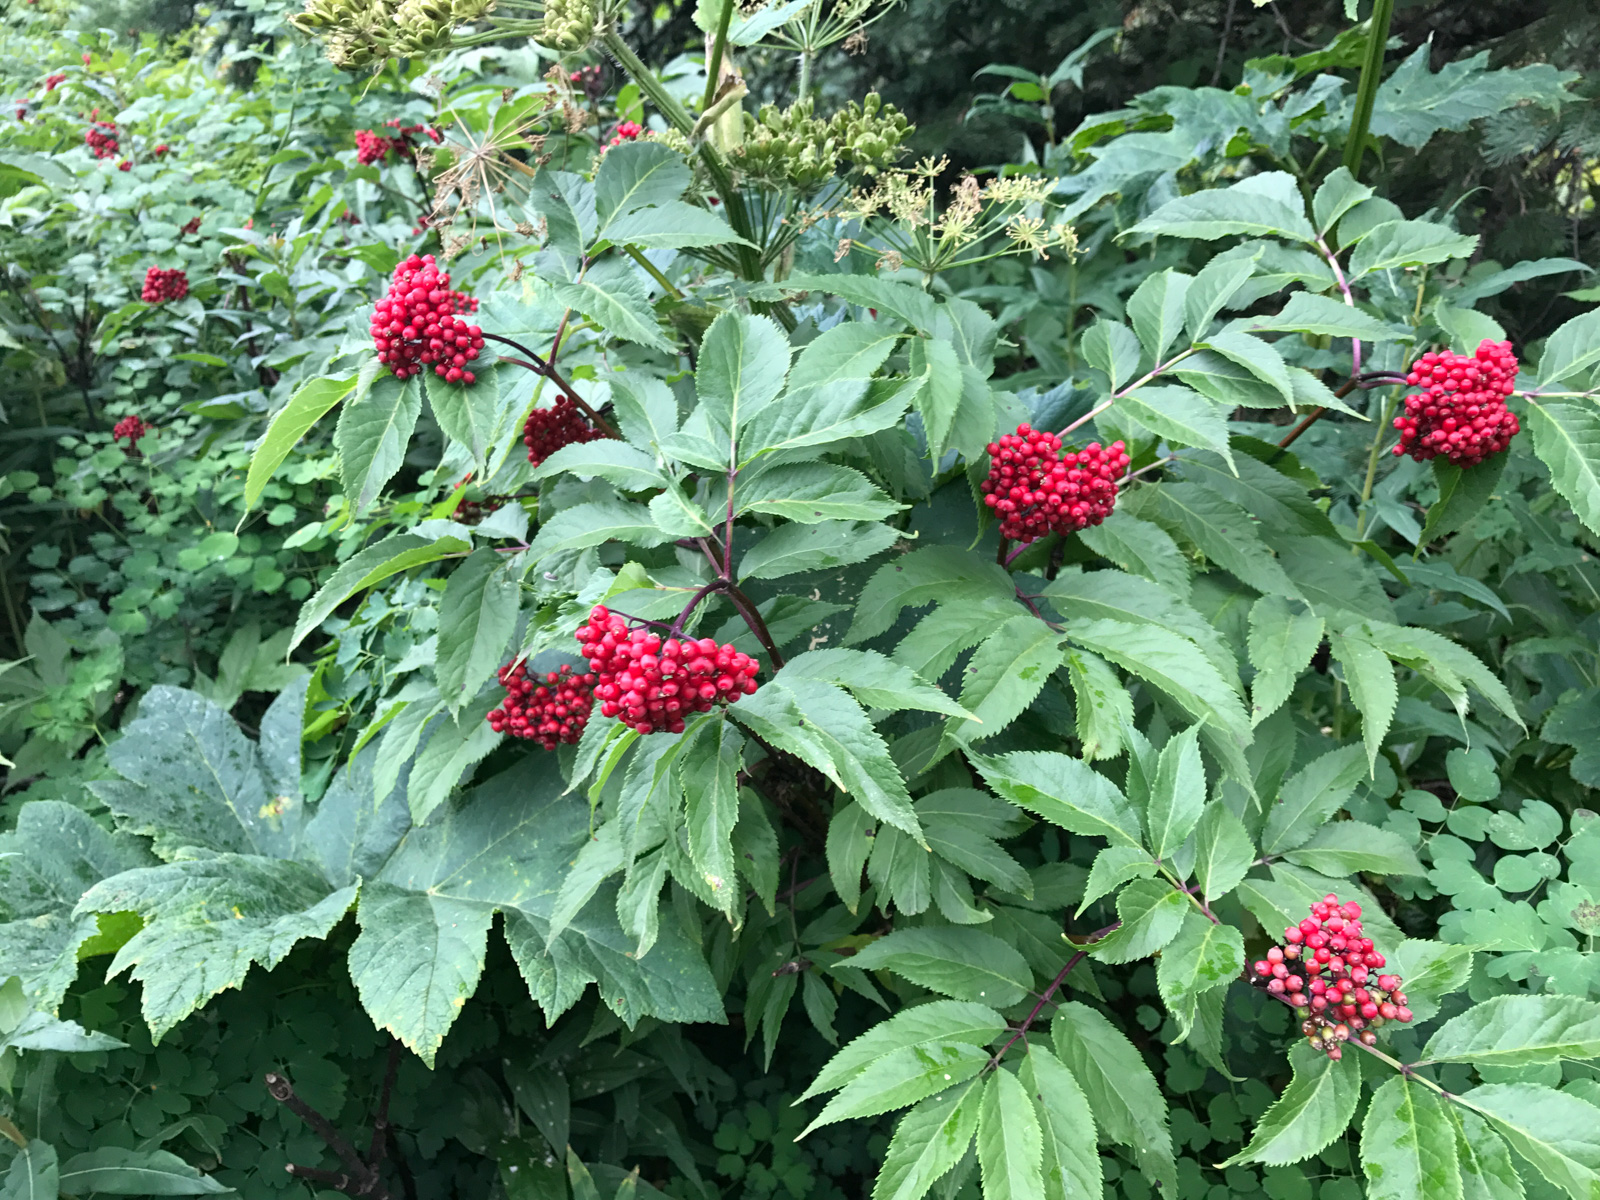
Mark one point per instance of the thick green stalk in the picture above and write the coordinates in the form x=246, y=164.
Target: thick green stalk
x=1367, y=90
x=678, y=116
x=719, y=47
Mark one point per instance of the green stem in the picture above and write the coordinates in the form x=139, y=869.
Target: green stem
x=1378, y=435
x=721, y=177
x=653, y=271
x=1367, y=90
x=805, y=73
x=718, y=48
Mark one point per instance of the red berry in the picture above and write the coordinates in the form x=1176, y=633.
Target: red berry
x=416, y=325
x=1461, y=413
x=549, y=429
x=161, y=284
x=1403, y=1014
x=549, y=712
x=51, y=82
x=101, y=138
x=653, y=685
x=627, y=131
x=132, y=428
x=1034, y=489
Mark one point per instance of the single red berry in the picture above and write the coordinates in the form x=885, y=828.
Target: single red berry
x=161, y=284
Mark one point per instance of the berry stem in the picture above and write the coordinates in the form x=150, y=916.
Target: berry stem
x=752, y=618
x=1087, y=417
x=716, y=585
x=542, y=366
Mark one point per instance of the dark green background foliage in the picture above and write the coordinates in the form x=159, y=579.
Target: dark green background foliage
x=856, y=934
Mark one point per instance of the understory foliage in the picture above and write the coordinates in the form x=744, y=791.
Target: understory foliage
x=588, y=637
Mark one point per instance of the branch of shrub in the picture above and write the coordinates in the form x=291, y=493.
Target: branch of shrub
x=360, y=1178
x=543, y=366
x=1021, y=1031
x=1365, y=382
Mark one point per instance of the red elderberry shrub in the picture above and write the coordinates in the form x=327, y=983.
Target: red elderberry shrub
x=101, y=138
x=125, y=165
x=417, y=325
x=162, y=148
x=87, y=58
x=1461, y=413
x=132, y=428
x=626, y=131
x=193, y=226
x=161, y=284
x=549, y=429
x=548, y=711
x=1034, y=490
x=651, y=684
x=1326, y=971
x=51, y=82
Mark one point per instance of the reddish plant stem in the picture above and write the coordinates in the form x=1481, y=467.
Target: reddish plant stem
x=716, y=585
x=752, y=618
x=1021, y=1031
x=542, y=366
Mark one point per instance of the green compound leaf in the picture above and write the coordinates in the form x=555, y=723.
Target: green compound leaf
x=1557, y=1132
x=1515, y=1031
x=1314, y=1109
x=1071, y=1159
x=960, y=962
x=1010, y=1145
x=1123, y=1095
x=1408, y=1145
x=929, y=1141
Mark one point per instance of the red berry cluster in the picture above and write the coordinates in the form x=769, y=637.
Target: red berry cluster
x=1462, y=412
x=132, y=428
x=161, y=148
x=549, y=429
x=1034, y=489
x=626, y=131
x=162, y=284
x=51, y=82
x=470, y=512
x=192, y=227
x=548, y=712
x=587, y=78
x=372, y=147
x=1351, y=1000
x=101, y=138
x=416, y=325
x=653, y=684
x=125, y=165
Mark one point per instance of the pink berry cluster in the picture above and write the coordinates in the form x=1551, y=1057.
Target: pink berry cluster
x=131, y=427
x=626, y=131
x=550, y=711
x=101, y=138
x=416, y=325
x=1462, y=412
x=1034, y=489
x=549, y=429
x=372, y=147
x=52, y=82
x=653, y=684
x=161, y=284
x=1351, y=999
